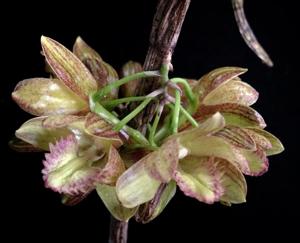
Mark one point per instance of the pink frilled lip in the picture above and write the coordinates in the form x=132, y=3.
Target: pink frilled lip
x=73, y=180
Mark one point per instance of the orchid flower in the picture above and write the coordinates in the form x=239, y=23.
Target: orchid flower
x=207, y=162
x=203, y=139
x=83, y=146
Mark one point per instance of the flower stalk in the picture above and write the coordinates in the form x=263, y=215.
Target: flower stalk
x=107, y=89
x=118, y=231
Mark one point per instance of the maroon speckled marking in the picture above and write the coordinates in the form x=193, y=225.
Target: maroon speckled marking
x=237, y=137
x=113, y=168
x=99, y=127
x=237, y=109
x=218, y=76
x=217, y=189
x=77, y=71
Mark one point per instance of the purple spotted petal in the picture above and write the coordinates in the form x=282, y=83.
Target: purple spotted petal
x=68, y=68
x=234, y=114
x=216, y=77
x=199, y=178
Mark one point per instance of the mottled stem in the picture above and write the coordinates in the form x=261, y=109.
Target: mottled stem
x=166, y=28
x=247, y=33
x=118, y=231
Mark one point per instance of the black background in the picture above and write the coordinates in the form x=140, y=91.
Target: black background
x=119, y=30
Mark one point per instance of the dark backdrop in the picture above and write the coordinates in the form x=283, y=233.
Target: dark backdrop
x=119, y=30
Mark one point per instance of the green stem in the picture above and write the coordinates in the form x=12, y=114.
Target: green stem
x=95, y=107
x=153, y=128
x=164, y=72
x=110, y=104
x=108, y=88
x=132, y=114
x=188, y=92
x=163, y=132
x=175, y=114
x=139, y=146
x=186, y=115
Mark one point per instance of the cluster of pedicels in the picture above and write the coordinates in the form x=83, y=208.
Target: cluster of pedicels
x=204, y=136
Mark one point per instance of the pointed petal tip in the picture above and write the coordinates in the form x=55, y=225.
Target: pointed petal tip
x=68, y=68
x=44, y=39
x=79, y=41
x=43, y=96
x=239, y=70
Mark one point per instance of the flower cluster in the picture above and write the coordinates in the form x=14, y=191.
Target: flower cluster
x=203, y=139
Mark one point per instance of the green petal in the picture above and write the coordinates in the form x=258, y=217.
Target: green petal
x=41, y=96
x=233, y=182
x=153, y=208
x=211, y=179
x=60, y=121
x=209, y=146
x=130, y=88
x=140, y=182
x=215, y=78
x=197, y=177
x=266, y=140
x=103, y=73
x=218, y=143
x=136, y=185
x=234, y=114
x=68, y=68
x=34, y=133
x=109, y=197
x=211, y=125
x=77, y=125
x=232, y=92
x=258, y=163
